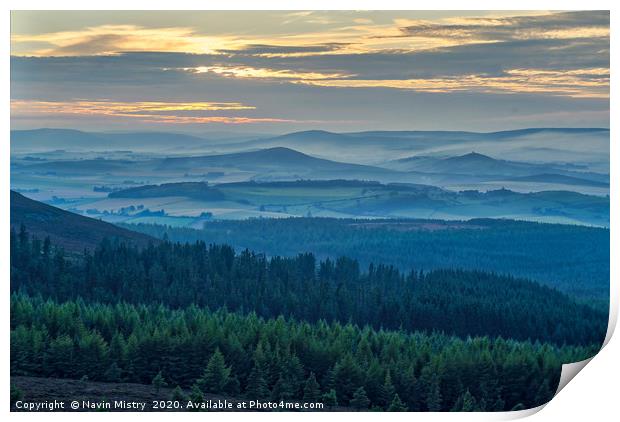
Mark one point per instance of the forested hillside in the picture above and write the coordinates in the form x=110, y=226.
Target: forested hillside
x=574, y=259
x=457, y=302
x=281, y=359
x=69, y=230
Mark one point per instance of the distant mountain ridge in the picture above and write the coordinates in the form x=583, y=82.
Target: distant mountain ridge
x=587, y=145
x=61, y=138
x=524, y=160
x=71, y=139
x=280, y=163
x=476, y=164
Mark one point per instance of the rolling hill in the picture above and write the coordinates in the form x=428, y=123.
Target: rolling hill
x=194, y=190
x=267, y=164
x=587, y=146
x=71, y=231
x=355, y=198
x=53, y=139
x=469, y=171
x=75, y=140
x=560, y=179
x=480, y=165
x=89, y=166
x=281, y=163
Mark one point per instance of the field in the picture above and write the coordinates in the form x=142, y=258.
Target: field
x=177, y=204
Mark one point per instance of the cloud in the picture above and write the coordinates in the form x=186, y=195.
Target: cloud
x=372, y=67
x=550, y=66
x=145, y=111
x=113, y=39
x=261, y=73
x=567, y=25
x=308, y=32
x=584, y=83
x=267, y=50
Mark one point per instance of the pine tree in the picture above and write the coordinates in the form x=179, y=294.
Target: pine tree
x=433, y=398
x=374, y=382
x=397, y=405
x=158, y=382
x=281, y=390
x=60, y=356
x=465, y=403
x=411, y=389
x=469, y=402
x=498, y=405
x=262, y=361
x=118, y=349
x=196, y=396
x=256, y=388
x=387, y=391
x=93, y=350
x=330, y=399
x=178, y=394
x=232, y=387
x=347, y=377
x=360, y=399
x=290, y=381
x=216, y=374
x=312, y=389
x=543, y=394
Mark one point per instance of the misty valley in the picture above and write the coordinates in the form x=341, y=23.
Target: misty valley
x=141, y=178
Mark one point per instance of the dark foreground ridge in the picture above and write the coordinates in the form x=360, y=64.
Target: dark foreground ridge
x=71, y=231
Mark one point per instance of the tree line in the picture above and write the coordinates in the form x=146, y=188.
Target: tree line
x=574, y=259
x=457, y=302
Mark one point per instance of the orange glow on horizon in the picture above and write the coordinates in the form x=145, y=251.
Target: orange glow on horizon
x=147, y=111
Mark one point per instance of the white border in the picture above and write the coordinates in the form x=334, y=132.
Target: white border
x=592, y=396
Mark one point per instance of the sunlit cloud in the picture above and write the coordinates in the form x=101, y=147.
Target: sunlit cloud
x=344, y=64
x=113, y=39
x=568, y=25
x=582, y=83
x=261, y=73
x=210, y=119
x=146, y=111
x=285, y=50
x=572, y=33
x=116, y=107
x=316, y=33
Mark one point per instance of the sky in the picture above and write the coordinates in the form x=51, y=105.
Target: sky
x=278, y=72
